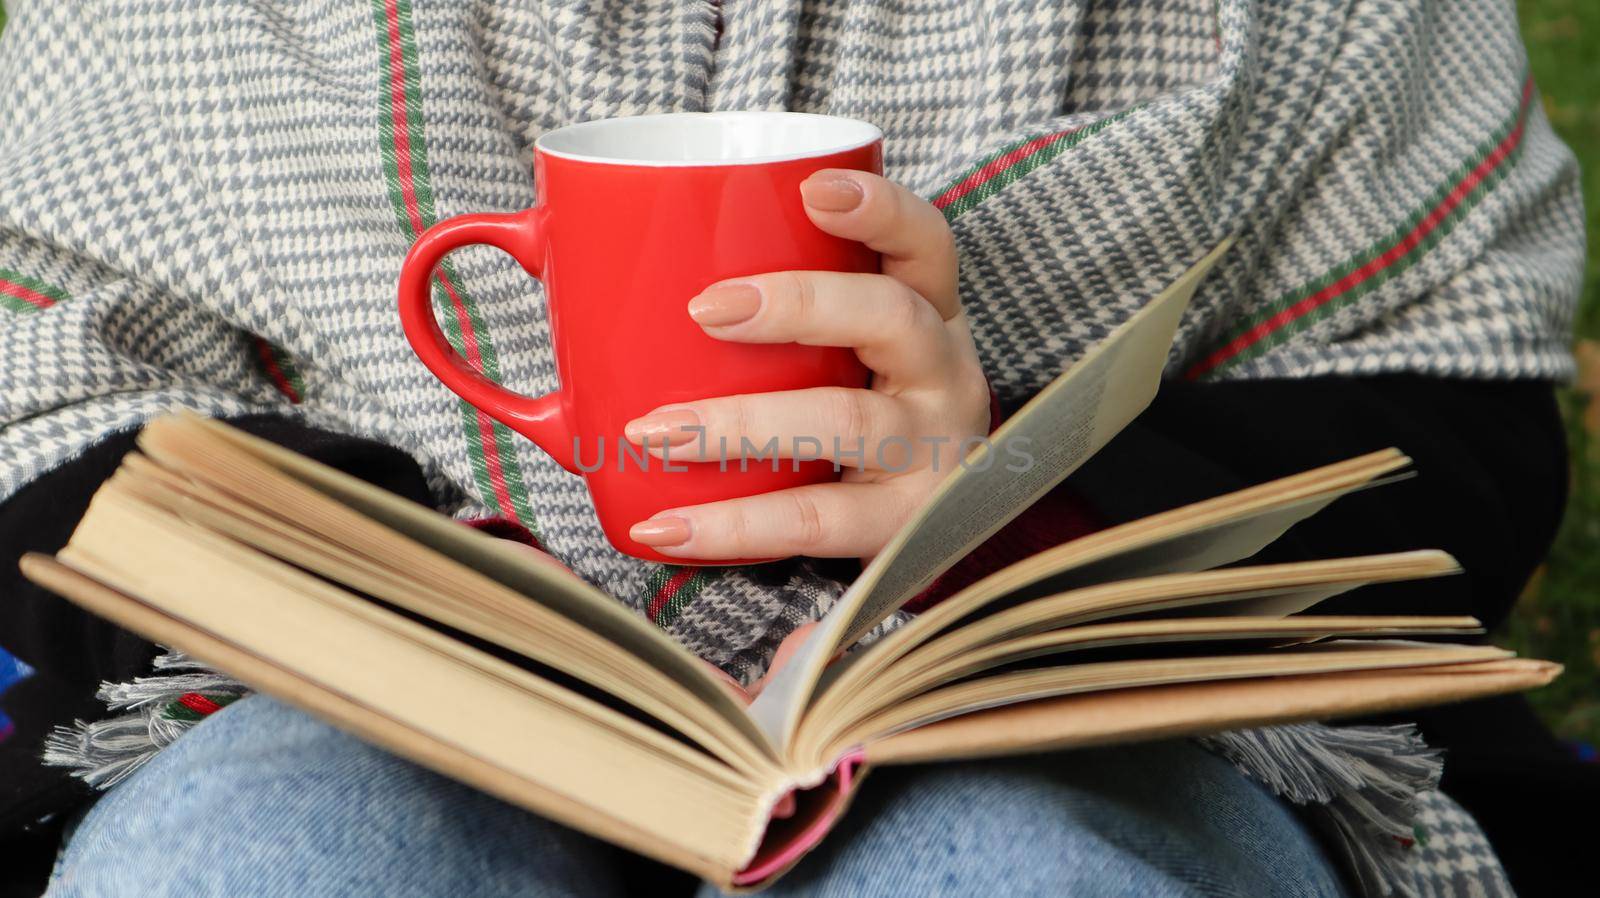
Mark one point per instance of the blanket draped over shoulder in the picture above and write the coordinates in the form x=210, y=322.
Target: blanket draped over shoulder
x=204, y=204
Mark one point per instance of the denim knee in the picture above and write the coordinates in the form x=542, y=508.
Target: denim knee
x=262, y=800
x=1159, y=820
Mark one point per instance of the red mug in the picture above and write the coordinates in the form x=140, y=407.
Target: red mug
x=635, y=216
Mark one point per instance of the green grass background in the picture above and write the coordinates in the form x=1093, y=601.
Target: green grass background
x=1559, y=617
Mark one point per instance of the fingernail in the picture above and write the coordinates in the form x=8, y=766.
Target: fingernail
x=670, y=425
x=667, y=531
x=725, y=304
x=831, y=193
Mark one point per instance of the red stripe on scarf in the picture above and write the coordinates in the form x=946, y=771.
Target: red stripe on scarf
x=469, y=338
x=398, y=112
x=32, y=297
x=1390, y=256
x=198, y=703
x=269, y=363
x=996, y=166
x=491, y=448
x=669, y=589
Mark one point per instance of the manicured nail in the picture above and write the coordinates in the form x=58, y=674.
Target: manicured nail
x=666, y=531
x=665, y=425
x=831, y=193
x=725, y=304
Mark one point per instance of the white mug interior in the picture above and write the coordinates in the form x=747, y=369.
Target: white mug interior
x=707, y=138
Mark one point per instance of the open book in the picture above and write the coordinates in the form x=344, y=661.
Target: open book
x=500, y=668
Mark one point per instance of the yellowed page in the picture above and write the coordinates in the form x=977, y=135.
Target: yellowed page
x=1159, y=712
x=329, y=703
x=1061, y=427
x=342, y=510
x=1032, y=685
x=1195, y=537
x=1265, y=590
x=915, y=674
x=515, y=721
x=482, y=608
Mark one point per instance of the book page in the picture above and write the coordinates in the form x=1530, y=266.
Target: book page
x=1198, y=536
x=296, y=488
x=588, y=752
x=1061, y=427
x=443, y=755
x=1057, y=647
x=967, y=620
x=1200, y=549
x=461, y=600
x=1025, y=685
x=1192, y=709
x=1195, y=537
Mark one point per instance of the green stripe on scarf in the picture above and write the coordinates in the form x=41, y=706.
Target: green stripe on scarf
x=1011, y=163
x=1395, y=253
x=24, y=293
x=402, y=132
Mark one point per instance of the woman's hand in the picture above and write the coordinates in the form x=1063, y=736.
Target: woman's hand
x=927, y=401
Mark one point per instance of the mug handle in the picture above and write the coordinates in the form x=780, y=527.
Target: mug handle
x=522, y=235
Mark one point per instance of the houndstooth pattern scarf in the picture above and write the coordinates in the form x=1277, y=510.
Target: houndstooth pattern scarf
x=204, y=204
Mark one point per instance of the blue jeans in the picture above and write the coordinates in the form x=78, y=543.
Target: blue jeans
x=260, y=800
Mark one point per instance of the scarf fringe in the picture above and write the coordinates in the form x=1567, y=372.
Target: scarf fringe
x=1363, y=781
x=102, y=753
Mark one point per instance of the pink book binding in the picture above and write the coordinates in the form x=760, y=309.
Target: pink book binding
x=816, y=810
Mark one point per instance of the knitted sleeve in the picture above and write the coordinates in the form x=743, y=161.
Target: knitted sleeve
x=108, y=314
